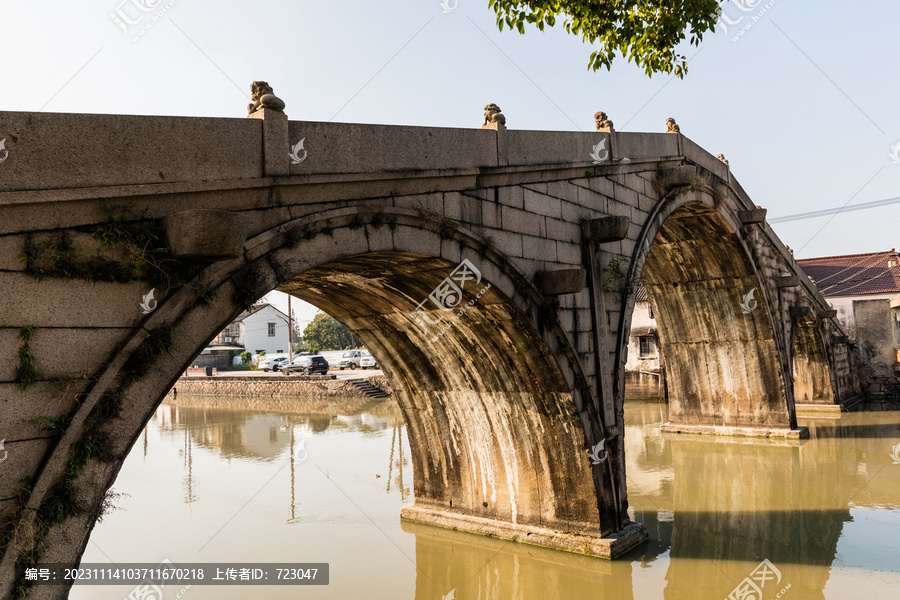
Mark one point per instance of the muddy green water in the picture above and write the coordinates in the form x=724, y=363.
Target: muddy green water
x=309, y=481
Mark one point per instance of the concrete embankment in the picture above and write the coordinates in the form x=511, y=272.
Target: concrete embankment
x=276, y=386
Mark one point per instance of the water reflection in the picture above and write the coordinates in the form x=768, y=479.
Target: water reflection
x=318, y=480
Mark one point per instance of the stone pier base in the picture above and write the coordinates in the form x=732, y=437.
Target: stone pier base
x=766, y=432
x=818, y=408
x=608, y=547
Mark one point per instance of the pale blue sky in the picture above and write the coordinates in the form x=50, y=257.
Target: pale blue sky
x=804, y=104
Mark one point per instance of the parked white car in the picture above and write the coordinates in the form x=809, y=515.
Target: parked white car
x=351, y=359
x=272, y=363
x=367, y=361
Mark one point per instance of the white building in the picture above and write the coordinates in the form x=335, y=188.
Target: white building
x=263, y=328
x=643, y=376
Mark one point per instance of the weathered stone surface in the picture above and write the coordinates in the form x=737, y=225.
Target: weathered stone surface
x=503, y=372
x=563, y=281
x=580, y=542
x=788, y=281
x=277, y=146
x=801, y=312
x=205, y=233
x=676, y=177
x=606, y=229
x=749, y=217
x=286, y=386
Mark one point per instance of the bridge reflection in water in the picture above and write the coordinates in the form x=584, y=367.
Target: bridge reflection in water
x=823, y=511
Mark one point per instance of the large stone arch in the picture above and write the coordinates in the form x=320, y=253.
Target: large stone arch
x=501, y=445
x=727, y=370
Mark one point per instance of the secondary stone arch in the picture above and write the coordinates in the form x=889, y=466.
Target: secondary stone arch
x=502, y=438
x=724, y=365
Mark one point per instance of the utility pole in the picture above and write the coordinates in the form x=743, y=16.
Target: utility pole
x=290, y=332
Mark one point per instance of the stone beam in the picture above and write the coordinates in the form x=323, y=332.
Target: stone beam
x=203, y=233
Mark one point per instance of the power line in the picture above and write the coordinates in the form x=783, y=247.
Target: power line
x=834, y=211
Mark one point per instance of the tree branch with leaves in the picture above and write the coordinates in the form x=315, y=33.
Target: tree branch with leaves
x=644, y=31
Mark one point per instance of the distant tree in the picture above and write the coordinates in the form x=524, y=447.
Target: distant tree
x=326, y=333
x=245, y=357
x=643, y=31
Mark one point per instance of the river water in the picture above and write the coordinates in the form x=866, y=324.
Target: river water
x=307, y=480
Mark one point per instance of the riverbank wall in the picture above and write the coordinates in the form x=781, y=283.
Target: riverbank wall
x=275, y=386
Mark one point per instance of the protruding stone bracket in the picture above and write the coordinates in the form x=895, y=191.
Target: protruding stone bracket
x=562, y=281
x=839, y=339
x=788, y=281
x=605, y=229
x=749, y=217
x=205, y=233
x=677, y=177
x=826, y=313
x=802, y=313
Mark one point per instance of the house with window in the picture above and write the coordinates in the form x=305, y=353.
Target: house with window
x=643, y=375
x=864, y=289
x=263, y=328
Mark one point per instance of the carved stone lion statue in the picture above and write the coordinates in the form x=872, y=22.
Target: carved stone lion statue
x=722, y=158
x=672, y=126
x=601, y=122
x=492, y=114
x=264, y=97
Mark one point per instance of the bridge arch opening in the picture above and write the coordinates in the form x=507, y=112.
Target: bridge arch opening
x=723, y=364
x=498, y=409
x=487, y=409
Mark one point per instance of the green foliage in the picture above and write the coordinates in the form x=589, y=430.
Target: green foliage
x=205, y=296
x=25, y=372
x=326, y=333
x=148, y=258
x=55, y=425
x=245, y=298
x=246, y=356
x=108, y=407
x=159, y=341
x=644, y=31
x=616, y=276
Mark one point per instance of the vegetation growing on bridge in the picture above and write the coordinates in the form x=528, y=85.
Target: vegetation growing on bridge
x=62, y=501
x=617, y=279
x=26, y=374
x=145, y=256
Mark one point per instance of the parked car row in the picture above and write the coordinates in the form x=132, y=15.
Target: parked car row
x=307, y=364
x=354, y=359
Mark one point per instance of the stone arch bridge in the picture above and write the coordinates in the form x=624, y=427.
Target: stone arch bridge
x=490, y=271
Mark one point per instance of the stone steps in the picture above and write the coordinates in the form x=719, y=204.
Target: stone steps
x=368, y=389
